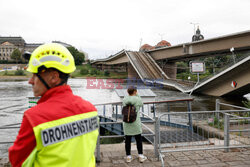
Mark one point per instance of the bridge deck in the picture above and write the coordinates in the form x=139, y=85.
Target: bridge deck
x=147, y=69
x=145, y=66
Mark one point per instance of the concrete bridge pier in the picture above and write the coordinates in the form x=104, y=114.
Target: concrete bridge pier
x=131, y=71
x=170, y=68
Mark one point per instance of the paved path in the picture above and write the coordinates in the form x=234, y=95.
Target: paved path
x=112, y=155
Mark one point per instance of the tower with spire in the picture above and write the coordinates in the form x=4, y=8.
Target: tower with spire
x=197, y=36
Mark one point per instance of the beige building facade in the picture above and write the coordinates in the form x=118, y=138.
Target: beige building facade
x=6, y=49
x=9, y=44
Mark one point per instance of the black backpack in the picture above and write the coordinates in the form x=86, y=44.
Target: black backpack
x=129, y=113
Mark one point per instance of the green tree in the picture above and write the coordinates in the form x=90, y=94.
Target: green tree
x=19, y=72
x=78, y=56
x=210, y=64
x=215, y=62
x=106, y=73
x=94, y=71
x=84, y=71
x=16, y=54
x=182, y=67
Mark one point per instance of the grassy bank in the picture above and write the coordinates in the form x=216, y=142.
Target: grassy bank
x=193, y=77
x=87, y=71
x=15, y=73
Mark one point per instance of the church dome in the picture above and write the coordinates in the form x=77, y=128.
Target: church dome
x=163, y=43
x=145, y=47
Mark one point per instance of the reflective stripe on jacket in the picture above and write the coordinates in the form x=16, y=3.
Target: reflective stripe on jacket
x=65, y=142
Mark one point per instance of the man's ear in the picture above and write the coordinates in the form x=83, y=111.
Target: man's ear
x=55, y=77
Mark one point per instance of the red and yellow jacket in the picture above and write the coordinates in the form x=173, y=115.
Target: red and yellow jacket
x=61, y=130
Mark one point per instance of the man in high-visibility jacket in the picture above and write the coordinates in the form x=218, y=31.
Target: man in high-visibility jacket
x=62, y=129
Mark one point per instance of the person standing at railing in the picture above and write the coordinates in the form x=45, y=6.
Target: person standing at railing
x=133, y=129
x=62, y=129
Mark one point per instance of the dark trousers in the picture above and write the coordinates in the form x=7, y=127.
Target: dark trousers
x=138, y=139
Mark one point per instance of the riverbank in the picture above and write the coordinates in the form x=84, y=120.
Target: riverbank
x=14, y=78
x=4, y=78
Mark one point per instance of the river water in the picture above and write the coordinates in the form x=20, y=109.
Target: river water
x=14, y=101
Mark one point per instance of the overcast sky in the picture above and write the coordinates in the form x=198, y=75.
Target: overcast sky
x=104, y=27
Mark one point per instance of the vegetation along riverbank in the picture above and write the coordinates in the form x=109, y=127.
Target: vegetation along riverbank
x=82, y=71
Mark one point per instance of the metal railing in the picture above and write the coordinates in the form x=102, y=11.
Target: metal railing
x=181, y=131
x=113, y=112
x=238, y=59
x=219, y=129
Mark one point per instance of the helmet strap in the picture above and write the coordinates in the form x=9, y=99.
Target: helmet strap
x=42, y=80
x=63, y=80
x=61, y=83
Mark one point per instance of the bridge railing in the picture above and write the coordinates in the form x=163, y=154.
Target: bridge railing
x=238, y=59
x=219, y=129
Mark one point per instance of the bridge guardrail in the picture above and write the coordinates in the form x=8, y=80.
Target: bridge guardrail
x=238, y=59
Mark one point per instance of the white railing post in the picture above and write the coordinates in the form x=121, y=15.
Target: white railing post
x=157, y=140
x=98, y=157
x=190, y=122
x=226, y=131
x=217, y=105
x=217, y=108
x=104, y=110
x=154, y=109
x=116, y=112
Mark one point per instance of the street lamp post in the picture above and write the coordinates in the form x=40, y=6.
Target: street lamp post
x=233, y=55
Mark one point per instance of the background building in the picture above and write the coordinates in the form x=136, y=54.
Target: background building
x=30, y=47
x=9, y=44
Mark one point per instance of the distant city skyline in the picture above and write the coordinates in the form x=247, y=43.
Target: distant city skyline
x=102, y=28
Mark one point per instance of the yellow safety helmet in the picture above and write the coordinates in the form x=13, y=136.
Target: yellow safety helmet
x=52, y=55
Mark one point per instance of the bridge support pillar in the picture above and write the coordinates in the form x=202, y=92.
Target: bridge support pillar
x=131, y=71
x=170, y=69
